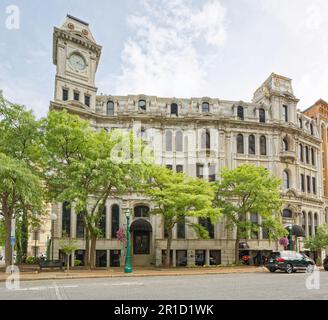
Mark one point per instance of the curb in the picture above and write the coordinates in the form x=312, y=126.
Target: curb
x=103, y=276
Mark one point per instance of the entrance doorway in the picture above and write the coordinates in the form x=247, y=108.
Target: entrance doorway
x=141, y=242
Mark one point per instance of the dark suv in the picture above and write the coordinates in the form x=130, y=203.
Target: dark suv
x=289, y=261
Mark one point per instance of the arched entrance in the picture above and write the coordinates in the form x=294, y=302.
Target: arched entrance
x=141, y=230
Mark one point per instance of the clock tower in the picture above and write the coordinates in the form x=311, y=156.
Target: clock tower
x=76, y=56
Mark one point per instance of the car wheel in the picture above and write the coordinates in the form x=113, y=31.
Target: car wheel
x=309, y=268
x=272, y=270
x=289, y=268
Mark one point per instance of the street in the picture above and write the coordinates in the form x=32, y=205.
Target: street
x=267, y=286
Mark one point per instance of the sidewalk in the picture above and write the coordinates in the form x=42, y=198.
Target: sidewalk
x=137, y=272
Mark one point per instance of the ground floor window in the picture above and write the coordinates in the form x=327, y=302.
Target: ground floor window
x=181, y=258
x=215, y=257
x=101, y=258
x=80, y=256
x=200, y=257
x=115, y=258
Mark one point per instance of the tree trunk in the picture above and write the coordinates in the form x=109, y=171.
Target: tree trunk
x=168, y=248
x=93, y=251
x=237, y=247
x=8, y=249
x=87, y=244
x=24, y=236
x=68, y=256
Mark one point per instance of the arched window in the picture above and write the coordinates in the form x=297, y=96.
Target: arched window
x=285, y=144
x=206, y=140
x=110, y=108
x=141, y=212
x=286, y=213
x=312, y=157
x=205, y=107
x=174, y=109
x=178, y=141
x=303, y=224
x=66, y=219
x=300, y=152
x=168, y=140
x=240, y=113
x=310, y=222
x=300, y=123
x=286, y=180
x=207, y=225
x=240, y=144
x=307, y=156
x=115, y=220
x=142, y=105
x=263, y=146
x=311, y=129
x=251, y=144
x=102, y=224
x=315, y=223
x=262, y=115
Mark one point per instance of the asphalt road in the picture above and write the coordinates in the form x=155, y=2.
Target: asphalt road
x=265, y=286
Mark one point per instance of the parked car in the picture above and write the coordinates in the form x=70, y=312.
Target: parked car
x=325, y=263
x=289, y=261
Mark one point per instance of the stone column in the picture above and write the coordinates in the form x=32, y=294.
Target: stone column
x=108, y=258
x=174, y=258
x=158, y=256
x=108, y=224
x=73, y=222
x=191, y=258
x=207, y=257
x=313, y=230
x=307, y=224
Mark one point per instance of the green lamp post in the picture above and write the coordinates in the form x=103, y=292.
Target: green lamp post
x=127, y=267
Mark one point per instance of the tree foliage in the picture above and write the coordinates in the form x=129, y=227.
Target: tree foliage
x=319, y=241
x=178, y=196
x=245, y=190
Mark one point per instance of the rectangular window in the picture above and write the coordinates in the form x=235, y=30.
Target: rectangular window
x=200, y=170
x=285, y=113
x=101, y=258
x=211, y=173
x=115, y=258
x=179, y=168
x=302, y=182
x=181, y=258
x=215, y=257
x=76, y=96
x=181, y=226
x=254, y=219
x=66, y=220
x=102, y=224
x=265, y=233
x=169, y=166
x=308, y=183
x=87, y=100
x=314, y=185
x=65, y=94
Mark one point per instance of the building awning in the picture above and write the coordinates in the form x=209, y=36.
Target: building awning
x=297, y=231
x=141, y=225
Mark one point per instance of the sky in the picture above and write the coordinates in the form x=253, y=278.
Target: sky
x=173, y=48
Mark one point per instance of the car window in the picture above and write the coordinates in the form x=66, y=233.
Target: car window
x=299, y=256
x=275, y=255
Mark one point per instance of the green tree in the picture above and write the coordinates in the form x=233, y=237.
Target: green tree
x=86, y=167
x=68, y=246
x=245, y=190
x=177, y=196
x=319, y=241
x=20, y=169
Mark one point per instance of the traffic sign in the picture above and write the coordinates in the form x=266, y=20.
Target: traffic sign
x=12, y=241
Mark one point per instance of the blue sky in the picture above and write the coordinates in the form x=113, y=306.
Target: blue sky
x=182, y=48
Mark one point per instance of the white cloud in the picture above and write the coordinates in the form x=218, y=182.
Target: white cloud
x=169, y=49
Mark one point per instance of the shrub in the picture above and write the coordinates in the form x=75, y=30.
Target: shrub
x=77, y=263
x=32, y=260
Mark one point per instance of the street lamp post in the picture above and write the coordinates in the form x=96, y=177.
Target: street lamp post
x=53, y=219
x=127, y=267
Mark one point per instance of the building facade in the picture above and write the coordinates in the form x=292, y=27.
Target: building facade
x=198, y=136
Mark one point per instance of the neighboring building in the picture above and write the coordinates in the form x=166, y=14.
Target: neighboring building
x=198, y=136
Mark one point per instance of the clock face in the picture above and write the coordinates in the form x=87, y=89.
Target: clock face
x=77, y=62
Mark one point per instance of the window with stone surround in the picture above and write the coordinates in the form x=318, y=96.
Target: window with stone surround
x=174, y=109
x=115, y=220
x=263, y=146
x=286, y=180
x=110, y=108
x=251, y=144
x=65, y=94
x=142, y=105
x=240, y=144
x=240, y=113
x=178, y=141
x=205, y=107
x=262, y=115
x=168, y=140
x=300, y=153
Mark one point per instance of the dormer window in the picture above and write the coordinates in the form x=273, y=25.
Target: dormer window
x=300, y=123
x=205, y=107
x=285, y=144
x=174, y=109
x=110, y=108
x=240, y=113
x=142, y=105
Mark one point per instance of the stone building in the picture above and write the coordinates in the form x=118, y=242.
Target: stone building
x=198, y=136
